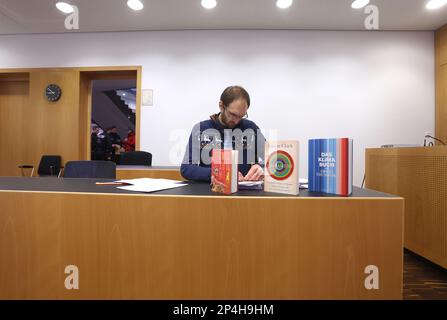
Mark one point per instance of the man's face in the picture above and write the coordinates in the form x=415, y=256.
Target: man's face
x=234, y=112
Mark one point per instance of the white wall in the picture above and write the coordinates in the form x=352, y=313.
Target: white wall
x=376, y=87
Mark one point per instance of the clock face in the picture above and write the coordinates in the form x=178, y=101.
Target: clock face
x=53, y=92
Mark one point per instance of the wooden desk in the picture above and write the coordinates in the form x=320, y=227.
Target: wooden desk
x=133, y=172
x=187, y=243
x=420, y=176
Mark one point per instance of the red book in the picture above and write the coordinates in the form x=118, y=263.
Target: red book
x=224, y=171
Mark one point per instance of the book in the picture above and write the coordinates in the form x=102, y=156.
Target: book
x=330, y=166
x=281, y=168
x=224, y=171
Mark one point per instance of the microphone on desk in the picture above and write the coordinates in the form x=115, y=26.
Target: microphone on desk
x=431, y=143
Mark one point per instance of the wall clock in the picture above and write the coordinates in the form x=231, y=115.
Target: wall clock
x=53, y=92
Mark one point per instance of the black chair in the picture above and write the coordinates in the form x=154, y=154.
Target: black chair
x=50, y=165
x=90, y=169
x=136, y=158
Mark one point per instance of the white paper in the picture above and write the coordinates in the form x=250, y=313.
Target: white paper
x=151, y=185
x=151, y=188
x=250, y=183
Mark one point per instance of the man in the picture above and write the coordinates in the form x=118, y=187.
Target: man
x=115, y=143
x=99, y=144
x=228, y=129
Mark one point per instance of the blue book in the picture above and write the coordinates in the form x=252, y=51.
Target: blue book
x=330, y=166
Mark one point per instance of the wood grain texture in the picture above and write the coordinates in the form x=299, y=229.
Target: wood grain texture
x=441, y=43
x=168, y=247
x=14, y=97
x=441, y=104
x=441, y=83
x=419, y=175
x=52, y=127
x=173, y=174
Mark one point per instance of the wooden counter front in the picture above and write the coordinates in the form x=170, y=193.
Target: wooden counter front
x=130, y=246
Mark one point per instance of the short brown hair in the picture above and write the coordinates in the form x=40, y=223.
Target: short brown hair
x=233, y=93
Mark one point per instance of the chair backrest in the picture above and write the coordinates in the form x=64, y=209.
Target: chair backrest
x=90, y=169
x=49, y=165
x=136, y=158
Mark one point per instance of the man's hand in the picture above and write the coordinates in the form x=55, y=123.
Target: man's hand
x=240, y=176
x=256, y=173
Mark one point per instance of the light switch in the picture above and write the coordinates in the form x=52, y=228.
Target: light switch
x=148, y=97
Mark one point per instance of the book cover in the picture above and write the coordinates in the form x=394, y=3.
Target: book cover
x=224, y=171
x=330, y=166
x=281, y=167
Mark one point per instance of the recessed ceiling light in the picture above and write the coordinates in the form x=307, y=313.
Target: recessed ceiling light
x=135, y=5
x=358, y=4
x=284, y=4
x=64, y=7
x=209, y=4
x=435, y=4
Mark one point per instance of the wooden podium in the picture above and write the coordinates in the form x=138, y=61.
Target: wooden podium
x=420, y=176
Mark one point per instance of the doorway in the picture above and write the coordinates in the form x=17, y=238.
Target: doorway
x=110, y=104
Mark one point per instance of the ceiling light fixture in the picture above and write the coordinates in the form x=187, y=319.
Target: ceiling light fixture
x=435, y=4
x=284, y=4
x=358, y=4
x=209, y=4
x=136, y=5
x=64, y=7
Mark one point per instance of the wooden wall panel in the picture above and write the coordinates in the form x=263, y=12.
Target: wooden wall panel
x=13, y=107
x=441, y=83
x=85, y=115
x=441, y=103
x=441, y=42
x=419, y=175
x=53, y=127
x=129, y=173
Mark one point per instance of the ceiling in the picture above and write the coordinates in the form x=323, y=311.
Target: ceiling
x=41, y=16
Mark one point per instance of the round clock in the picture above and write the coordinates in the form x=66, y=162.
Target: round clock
x=53, y=92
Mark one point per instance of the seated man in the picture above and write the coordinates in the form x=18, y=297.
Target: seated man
x=228, y=129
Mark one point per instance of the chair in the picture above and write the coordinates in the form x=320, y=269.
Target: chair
x=90, y=169
x=136, y=158
x=50, y=165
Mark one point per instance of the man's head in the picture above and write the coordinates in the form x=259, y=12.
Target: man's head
x=234, y=103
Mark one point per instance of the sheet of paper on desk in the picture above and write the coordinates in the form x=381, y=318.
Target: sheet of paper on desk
x=151, y=185
x=148, y=180
x=250, y=185
x=304, y=183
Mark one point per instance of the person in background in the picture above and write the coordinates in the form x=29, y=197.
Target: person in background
x=115, y=143
x=129, y=142
x=99, y=144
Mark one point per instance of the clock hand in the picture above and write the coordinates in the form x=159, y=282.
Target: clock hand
x=50, y=90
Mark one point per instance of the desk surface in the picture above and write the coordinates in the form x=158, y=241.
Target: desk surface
x=121, y=167
x=192, y=189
